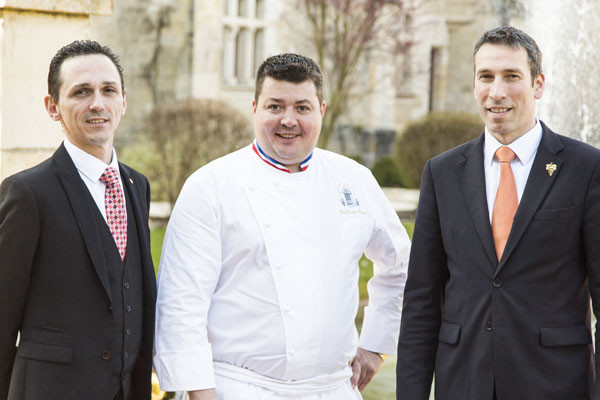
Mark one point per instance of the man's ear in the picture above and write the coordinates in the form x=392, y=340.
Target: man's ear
x=323, y=107
x=52, y=108
x=254, y=106
x=539, y=84
x=124, y=102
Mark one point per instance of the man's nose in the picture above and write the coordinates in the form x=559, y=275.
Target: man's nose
x=288, y=118
x=497, y=90
x=97, y=102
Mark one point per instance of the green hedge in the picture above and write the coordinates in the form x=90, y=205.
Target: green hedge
x=430, y=136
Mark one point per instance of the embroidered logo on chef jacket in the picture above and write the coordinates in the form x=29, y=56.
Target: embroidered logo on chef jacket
x=347, y=196
x=349, y=200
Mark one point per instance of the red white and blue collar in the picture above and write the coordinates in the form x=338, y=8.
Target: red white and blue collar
x=276, y=164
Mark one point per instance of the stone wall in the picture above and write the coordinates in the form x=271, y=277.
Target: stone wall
x=32, y=31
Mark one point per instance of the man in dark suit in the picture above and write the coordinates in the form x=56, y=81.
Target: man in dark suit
x=77, y=283
x=506, y=250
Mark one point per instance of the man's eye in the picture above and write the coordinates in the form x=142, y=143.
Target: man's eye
x=274, y=107
x=110, y=90
x=303, y=108
x=485, y=77
x=80, y=92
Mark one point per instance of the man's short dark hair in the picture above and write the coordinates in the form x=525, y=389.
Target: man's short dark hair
x=513, y=37
x=292, y=68
x=76, y=49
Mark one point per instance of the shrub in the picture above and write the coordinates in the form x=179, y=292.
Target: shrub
x=387, y=173
x=430, y=136
x=182, y=136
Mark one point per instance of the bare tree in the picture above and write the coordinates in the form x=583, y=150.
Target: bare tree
x=182, y=136
x=344, y=33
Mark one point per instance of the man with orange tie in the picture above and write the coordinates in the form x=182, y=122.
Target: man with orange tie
x=77, y=283
x=505, y=250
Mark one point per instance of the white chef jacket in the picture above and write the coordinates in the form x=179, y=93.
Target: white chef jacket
x=259, y=271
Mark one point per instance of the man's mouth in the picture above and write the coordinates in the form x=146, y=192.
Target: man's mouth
x=287, y=135
x=96, y=120
x=499, y=110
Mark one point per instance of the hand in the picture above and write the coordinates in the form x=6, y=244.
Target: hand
x=364, y=367
x=206, y=394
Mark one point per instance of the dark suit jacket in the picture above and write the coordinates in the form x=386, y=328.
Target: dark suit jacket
x=54, y=286
x=521, y=324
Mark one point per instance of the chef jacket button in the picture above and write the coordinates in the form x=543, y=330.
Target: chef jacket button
x=109, y=308
x=106, y=355
x=126, y=355
x=488, y=326
x=127, y=331
x=128, y=308
x=126, y=285
x=496, y=283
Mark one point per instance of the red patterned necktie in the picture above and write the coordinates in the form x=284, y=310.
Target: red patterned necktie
x=116, y=213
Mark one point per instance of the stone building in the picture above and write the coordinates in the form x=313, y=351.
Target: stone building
x=174, y=49
x=30, y=33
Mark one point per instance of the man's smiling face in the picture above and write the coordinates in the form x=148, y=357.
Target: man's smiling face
x=90, y=103
x=287, y=120
x=505, y=91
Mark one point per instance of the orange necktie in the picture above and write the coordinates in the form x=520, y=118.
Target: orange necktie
x=506, y=202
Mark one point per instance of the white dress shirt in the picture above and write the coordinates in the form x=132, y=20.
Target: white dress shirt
x=91, y=169
x=525, y=149
x=259, y=274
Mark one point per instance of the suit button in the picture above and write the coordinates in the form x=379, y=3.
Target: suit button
x=109, y=308
x=127, y=332
x=496, y=283
x=126, y=285
x=128, y=308
x=106, y=355
x=488, y=326
x=126, y=355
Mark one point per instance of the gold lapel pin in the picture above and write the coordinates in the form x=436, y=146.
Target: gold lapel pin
x=131, y=180
x=550, y=168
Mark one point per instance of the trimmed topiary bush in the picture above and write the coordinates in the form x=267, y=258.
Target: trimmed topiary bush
x=435, y=133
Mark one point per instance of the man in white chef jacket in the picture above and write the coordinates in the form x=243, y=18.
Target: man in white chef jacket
x=258, y=282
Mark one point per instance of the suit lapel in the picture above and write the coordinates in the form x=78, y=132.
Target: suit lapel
x=538, y=184
x=78, y=196
x=137, y=206
x=472, y=178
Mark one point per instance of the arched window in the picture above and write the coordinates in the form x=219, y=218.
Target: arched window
x=243, y=40
x=241, y=55
x=259, y=48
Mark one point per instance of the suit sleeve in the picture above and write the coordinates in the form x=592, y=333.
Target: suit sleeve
x=591, y=244
x=19, y=232
x=423, y=299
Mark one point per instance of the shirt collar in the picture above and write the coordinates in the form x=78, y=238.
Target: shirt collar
x=524, y=147
x=87, y=164
x=276, y=164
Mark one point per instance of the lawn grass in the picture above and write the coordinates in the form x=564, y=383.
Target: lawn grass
x=157, y=236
